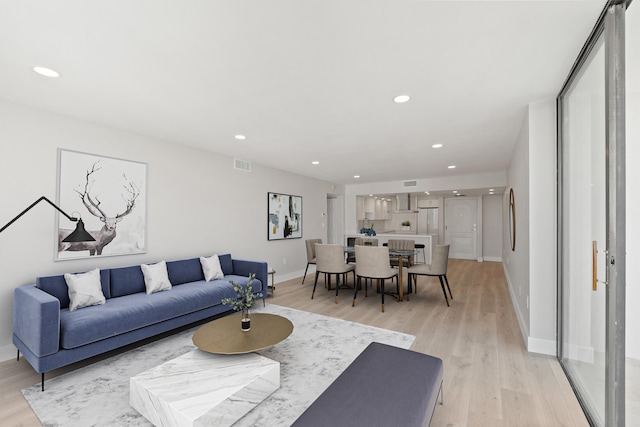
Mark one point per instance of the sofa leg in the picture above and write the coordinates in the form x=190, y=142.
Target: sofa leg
x=18, y=356
x=42, y=381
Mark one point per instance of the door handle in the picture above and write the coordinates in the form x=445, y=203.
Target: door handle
x=594, y=261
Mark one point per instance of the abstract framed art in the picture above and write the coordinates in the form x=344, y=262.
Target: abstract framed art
x=284, y=216
x=110, y=196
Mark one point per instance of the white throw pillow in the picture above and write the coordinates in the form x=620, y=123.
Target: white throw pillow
x=211, y=268
x=84, y=289
x=156, y=277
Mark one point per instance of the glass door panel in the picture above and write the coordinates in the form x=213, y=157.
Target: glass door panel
x=583, y=233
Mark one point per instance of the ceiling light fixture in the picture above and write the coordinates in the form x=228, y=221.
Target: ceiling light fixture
x=452, y=167
x=455, y=191
x=240, y=137
x=315, y=162
x=401, y=99
x=436, y=146
x=47, y=72
x=356, y=176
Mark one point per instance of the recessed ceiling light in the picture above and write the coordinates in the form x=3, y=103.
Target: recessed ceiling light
x=401, y=98
x=436, y=146
x=427, y=193
x=315, y=162
x=491, y=189
x=48, y=72
x=455, y=191
x=452, y=167
x=356, y=176
x=241, y=137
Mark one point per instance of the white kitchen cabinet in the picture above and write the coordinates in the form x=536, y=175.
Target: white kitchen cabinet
x=370, y=207
x=382, y=209
x=360, y=208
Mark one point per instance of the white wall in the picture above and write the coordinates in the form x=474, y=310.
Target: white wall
x=531, y=268
x=197, y=203
x=516, y=263
x=542, y=227
x=492, y=228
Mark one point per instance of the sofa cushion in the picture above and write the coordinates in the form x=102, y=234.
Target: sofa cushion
x=126, y=281
x=124, y=314
x=211, y=268
x=156, y=278
x=184, y=271
x=57, y=286
x=84, y=289
x=226, y=263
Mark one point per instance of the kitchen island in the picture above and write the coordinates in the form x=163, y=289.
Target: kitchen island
x=424, y=239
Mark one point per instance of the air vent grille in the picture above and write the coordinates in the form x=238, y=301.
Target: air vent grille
x=243, y=165
x=410, y=183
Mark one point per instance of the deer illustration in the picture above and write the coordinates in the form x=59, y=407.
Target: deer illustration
x=107, y=233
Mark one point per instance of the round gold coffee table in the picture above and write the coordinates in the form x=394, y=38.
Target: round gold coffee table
x=224, y=335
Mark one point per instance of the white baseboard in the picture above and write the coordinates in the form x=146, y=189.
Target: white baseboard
x=534, y=345
x=542, y=346
x=581, y=353
x=7, y=352
x=492, y=259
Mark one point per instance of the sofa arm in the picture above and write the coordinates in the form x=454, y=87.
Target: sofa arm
x=36, y=319
x=243, y=267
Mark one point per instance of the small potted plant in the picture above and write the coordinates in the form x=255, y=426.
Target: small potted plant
x=406, y=225
x=244, y=301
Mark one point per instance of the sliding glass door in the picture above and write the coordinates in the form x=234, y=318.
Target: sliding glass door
x=591, y=225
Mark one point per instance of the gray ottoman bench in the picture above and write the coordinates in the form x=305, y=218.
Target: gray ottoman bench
x=383, y=386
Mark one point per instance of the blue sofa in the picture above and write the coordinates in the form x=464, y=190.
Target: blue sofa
x=50, y=336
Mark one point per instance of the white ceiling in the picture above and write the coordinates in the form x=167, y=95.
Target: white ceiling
x=304, y=80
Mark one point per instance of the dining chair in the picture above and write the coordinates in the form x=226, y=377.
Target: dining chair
x=359, y=241
x=373, y=263
x=438, y=267
x=401, y=245
x=330, y=260
x=351, y=242
x=311, y=254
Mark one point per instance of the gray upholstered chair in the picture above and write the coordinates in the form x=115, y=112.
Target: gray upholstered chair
x=359, y=241
x=438, y=267
x=330, y=260
x=311, y=254
x=373, y=263
x=401, y=245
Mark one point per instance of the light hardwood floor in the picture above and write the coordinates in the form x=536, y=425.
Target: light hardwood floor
x=489, y=377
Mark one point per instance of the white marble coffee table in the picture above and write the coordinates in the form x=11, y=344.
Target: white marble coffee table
x=203, y=389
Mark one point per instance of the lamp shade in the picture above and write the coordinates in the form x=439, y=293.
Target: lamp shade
x=79, y=234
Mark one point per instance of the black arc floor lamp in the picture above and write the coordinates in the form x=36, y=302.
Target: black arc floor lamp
x=78, y=235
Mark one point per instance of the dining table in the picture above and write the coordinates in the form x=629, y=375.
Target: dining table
x=401, y=255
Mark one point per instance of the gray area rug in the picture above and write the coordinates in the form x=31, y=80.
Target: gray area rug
x=317, y=351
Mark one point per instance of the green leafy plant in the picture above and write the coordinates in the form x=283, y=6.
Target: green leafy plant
x=406, y=223
x=245, y=297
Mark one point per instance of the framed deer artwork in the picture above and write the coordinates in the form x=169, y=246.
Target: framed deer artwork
x=110, y=196
x=285, y=216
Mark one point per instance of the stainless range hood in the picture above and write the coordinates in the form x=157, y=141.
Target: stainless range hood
x=403, y=203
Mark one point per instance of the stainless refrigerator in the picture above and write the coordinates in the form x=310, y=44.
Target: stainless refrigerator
x=428, y=223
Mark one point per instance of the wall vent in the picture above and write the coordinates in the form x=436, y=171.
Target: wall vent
x=243, y=165
x=409, y=183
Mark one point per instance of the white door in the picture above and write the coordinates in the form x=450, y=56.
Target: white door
x=333, y=220
x=460, y=226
